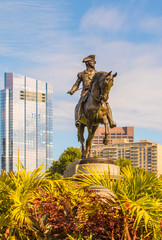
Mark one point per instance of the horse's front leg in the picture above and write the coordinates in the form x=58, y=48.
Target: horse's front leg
x=94, y=128
x=81, y=138
x=106, y=140
x=88, y=141
x=91, y=132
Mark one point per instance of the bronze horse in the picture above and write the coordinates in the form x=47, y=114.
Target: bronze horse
x=95, y=111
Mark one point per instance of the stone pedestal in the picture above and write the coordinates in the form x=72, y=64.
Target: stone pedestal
x=102, y=164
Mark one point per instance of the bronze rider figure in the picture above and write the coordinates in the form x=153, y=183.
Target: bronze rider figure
x=86, y=77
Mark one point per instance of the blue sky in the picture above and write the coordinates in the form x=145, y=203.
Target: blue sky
x=47, y=40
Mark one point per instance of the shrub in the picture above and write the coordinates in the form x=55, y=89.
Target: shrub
x=65, y=212
x=17, y=192
x=138, y=193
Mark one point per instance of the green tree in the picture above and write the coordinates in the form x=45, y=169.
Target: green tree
x=68, y=156
x=123, y=162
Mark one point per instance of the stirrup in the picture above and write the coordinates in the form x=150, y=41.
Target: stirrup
x=77, y=123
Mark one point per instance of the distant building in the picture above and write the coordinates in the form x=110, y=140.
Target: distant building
x=114, y=133
x=143, y=154
x=26, y=122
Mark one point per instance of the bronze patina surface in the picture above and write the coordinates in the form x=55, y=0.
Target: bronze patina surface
x=85, y=77
x=93, y=108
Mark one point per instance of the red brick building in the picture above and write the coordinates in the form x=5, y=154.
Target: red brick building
x=114, y=133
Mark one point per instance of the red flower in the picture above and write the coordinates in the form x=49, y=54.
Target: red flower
x=36, y=202
x=127, y=206
x=125, y=199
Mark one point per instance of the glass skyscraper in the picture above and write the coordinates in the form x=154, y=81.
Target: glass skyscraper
x=26, y=122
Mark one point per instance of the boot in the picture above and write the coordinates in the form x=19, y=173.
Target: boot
x=77, y=123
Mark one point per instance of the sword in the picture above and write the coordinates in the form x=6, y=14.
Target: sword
x=79, y=89
x=76, y=90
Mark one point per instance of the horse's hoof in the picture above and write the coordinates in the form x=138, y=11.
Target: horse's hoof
x=112, y=124
x=105, y=141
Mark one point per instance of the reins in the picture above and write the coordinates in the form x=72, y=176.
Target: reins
x=95, y=98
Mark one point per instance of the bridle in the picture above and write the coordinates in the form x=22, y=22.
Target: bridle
x=100, y=98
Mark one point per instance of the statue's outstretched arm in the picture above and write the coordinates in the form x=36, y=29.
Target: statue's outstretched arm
x=76, y=85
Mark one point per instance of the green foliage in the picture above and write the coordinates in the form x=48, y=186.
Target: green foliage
x=139, y=195
x=68, y=156
x=80, y=237
x=96, y=156
x=122, y=162
x=142, y=192
x=33, y=207
x=74, y=212
x=54, y=176
x=17, y=193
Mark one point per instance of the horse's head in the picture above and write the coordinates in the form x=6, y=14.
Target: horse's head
x=106, y=82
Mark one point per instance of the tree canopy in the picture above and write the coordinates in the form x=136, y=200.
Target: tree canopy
x=68, y=156
x=123, y=162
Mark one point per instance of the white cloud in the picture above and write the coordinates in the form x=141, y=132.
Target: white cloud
x=102, y=18
x=29, y=24
x=64, y=114
x=152, y=24
x=62, y=109
x=117, y=21
x=138, y=101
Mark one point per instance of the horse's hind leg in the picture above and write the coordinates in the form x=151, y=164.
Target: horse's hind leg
x=91, y=132
x=94, y=128
x=81, y=137
x=88, y=139
x=106, y=140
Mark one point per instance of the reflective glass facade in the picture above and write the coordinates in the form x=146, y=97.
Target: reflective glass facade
x=26, y=122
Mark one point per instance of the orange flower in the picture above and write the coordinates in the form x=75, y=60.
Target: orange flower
x=36, y=202
x=125, y=199
x=127, y=206
x=7, y=231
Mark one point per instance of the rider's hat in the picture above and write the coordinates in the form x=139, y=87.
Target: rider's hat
x=89, y=58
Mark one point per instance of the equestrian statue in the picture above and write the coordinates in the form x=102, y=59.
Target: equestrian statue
x=93, y=108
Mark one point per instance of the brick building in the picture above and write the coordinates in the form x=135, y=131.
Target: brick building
x=114, y=133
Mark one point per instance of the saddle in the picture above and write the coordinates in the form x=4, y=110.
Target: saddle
x=84, y=98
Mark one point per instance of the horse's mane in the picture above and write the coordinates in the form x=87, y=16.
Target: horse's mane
x=99, y=76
